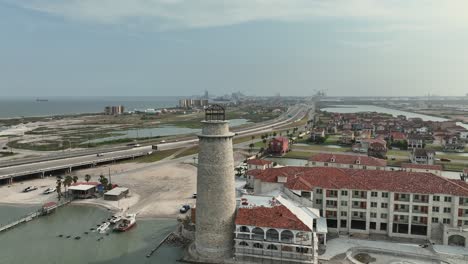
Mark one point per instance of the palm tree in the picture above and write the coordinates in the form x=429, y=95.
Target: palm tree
x=59, y=188
x=251, y=146
x=238, y=171
x=75, y=179
x=274, y=134
x=253, y=137
x=262, y=149
x=67, y=182
x=87, y=177
x=104, y=181
x=264, y=142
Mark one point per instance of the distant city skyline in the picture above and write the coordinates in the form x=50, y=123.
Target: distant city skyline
x=182, y=48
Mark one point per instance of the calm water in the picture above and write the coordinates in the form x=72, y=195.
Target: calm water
x=37, y=241
x=161, y=131
x=28, y=106
x=373, y=108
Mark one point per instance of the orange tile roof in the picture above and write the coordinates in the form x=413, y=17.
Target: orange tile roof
x=349, y=159
x=270, y=217
x=259, y=162
x=393, y=181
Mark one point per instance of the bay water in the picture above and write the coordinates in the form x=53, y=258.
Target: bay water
x=39, y=241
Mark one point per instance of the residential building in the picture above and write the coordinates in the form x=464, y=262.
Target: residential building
x=193, y=103
x=258, y=164
x=422, y=156
x=278, y=232
x=278, y=146
x=114, y=110
x=393, y=203
x=453, y=143
x=412, y=167
x=346, y=161
x=347, y=137
x=415, y=141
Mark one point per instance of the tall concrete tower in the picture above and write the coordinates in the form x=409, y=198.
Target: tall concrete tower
x=216, y=203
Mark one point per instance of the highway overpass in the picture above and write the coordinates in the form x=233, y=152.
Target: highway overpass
x=68, y=162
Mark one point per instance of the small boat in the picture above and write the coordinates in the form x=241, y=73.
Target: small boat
x=103, y=228
x=115, y=219
x=126, y=223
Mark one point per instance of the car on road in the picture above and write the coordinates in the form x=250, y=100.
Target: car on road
x=5, y=148
x=162, y=141
x=49, y=190
x=30, y=189
x=99, y=155
x=444, y=159
x=184, y=209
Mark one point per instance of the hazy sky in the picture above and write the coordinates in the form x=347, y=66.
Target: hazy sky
x=260, y=47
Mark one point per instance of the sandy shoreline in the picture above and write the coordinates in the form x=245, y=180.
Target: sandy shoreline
x=157, y=190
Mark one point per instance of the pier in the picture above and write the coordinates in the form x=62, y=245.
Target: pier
x=46, y=209
x=159, y=245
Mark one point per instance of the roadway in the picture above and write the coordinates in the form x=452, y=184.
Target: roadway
x=68, y=161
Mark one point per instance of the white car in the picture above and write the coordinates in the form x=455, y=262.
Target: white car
x=49, y=190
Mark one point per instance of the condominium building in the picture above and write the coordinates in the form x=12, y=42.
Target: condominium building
x=114, y=110
x=393, y=203
x=190, y=103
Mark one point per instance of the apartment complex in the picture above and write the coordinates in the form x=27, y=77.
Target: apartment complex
x=393, y=203
x=114, y=110
x=193, y=103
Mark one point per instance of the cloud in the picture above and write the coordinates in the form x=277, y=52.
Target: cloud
x=405, y=14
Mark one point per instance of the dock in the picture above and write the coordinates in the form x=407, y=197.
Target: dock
x=46, y=209
x=159, y=245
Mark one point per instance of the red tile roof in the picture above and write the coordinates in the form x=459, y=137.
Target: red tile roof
x=421, y=166
x=259, y=162
x=349, y=159
x=281, y=139
x=392, y=181
x=273, y=217
x=398, y=136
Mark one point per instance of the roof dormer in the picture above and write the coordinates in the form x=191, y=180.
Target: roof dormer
x=333, y=158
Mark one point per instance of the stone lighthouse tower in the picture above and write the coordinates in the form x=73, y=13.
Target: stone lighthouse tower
x=216, y=203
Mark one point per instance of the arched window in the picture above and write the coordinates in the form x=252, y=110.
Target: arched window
x=272, y=235
x=257, y=245
x=287, y=236
x=302, y=237
x=272, y=247
x=258, y=234
x=243, y=244
x=244, y=229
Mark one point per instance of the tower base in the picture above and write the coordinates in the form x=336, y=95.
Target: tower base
x=194, y=256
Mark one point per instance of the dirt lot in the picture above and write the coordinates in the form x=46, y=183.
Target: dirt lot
x=156, y=190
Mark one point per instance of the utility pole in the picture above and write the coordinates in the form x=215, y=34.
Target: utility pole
x=110, y=179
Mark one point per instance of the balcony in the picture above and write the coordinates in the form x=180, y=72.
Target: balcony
x=400, y=220
x=420, y=221
x=420, y=210
x=402, y=209
x=401, y=198
x=421, y=199
x=361, y=195
x=361, y=205
x=358, y=217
